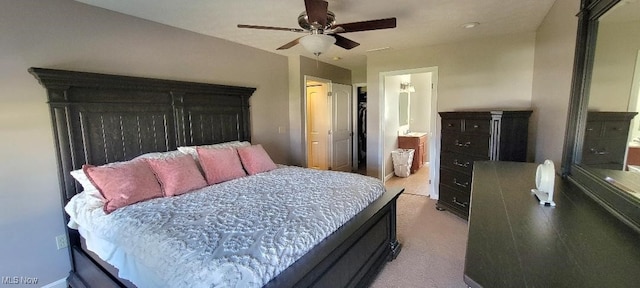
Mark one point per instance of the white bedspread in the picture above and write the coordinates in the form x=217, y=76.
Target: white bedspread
x=240, y=233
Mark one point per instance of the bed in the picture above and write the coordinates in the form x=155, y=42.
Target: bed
x=99, y=119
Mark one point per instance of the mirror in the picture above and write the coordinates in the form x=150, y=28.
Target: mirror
x=611, y=137
x=403, y=109
x=605, y=152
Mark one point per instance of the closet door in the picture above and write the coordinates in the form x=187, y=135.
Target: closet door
x=341, y=127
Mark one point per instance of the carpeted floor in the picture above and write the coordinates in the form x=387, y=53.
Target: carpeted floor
x=433, y=242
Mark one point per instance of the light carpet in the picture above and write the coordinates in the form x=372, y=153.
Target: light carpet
x=433, y=246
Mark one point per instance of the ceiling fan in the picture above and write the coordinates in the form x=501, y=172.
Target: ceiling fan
x=322, y=30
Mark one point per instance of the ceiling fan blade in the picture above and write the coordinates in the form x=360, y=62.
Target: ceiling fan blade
x=290, y=44
x=344, y=42
x=271, y=28
x=317, y=11
x=365, y=25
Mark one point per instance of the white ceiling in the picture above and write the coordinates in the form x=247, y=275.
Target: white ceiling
x=419, y=22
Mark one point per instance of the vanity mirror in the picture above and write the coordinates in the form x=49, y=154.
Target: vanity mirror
x=600, y=155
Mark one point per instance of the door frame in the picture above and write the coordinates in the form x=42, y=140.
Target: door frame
x=434, y=126
x=304, y=113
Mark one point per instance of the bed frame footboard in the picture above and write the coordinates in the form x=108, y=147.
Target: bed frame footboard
x=354, y=254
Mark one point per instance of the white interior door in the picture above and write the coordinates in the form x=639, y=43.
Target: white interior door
x=341, y=127
x=317, y=125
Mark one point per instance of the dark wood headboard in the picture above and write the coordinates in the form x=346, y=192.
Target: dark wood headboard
x=99, y=118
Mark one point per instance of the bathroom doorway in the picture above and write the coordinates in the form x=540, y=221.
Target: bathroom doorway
x=419, y=117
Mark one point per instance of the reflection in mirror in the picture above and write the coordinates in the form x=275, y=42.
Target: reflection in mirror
x=611, y=147
x=403, y=108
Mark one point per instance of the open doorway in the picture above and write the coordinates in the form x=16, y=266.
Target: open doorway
x=360, y=128
x=409, y=98
x=317, y=116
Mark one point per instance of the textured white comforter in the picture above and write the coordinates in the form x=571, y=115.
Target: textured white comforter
x=240, y=233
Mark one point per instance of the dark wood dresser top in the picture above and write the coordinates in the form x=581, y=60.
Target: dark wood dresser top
x=516, y=242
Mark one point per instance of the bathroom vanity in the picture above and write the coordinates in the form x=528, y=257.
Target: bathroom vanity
x=415, y=141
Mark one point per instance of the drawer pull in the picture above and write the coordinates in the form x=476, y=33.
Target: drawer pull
x=476, y=126
x=462, y=204
x=466, y=144
x=463, y=185
x=596, y=152
x=465, y=165
x=449, y=125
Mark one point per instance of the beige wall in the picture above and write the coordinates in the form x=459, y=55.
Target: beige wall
x=486, y=73
x=359, y=75
x=64, y=34
x=300, y=66
x=614, y=64
x=555, y=45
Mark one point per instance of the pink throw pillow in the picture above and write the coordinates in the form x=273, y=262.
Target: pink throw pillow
x=220, y=165
x=255, y=159
x=124, y=184
x=177, y=175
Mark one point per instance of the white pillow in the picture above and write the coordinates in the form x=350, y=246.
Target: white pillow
x=161, y=155
x=82, y=178
x=231, y=144
x=88, y=188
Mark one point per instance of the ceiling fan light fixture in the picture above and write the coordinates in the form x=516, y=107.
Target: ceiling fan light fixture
x=317, y=43
x=320, y=22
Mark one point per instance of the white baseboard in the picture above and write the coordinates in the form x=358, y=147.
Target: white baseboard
x=62, y=283
x=389, y=176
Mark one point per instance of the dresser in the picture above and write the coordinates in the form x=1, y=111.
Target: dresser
x=513, y=241
x=415, y=141
x=476, y=136
x=605, y=139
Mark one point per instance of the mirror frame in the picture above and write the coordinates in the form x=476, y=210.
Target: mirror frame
x=613, y=198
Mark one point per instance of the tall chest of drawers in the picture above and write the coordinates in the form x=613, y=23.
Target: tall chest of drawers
x=605, y=139
x=476, y=136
